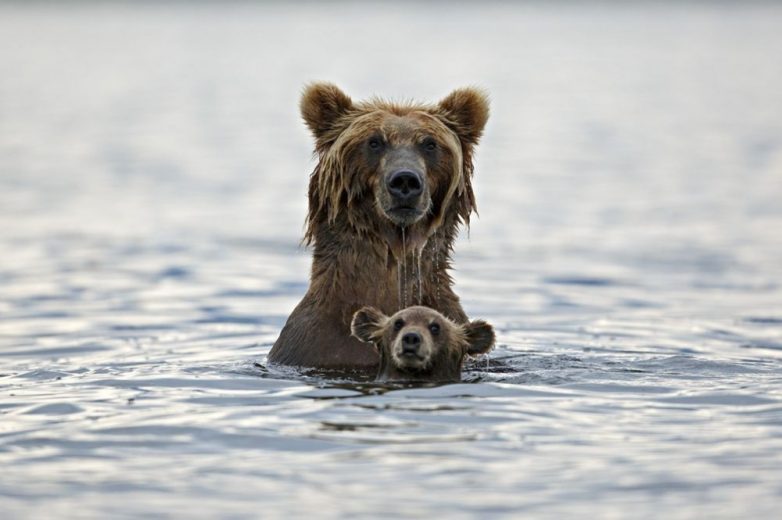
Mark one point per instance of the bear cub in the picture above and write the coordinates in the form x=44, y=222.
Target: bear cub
x=420, y=344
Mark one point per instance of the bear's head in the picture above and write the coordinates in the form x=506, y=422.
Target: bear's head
x=396, y=164
x=420, y=344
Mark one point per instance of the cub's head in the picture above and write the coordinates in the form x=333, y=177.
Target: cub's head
x=394, y=164
x=420, y=344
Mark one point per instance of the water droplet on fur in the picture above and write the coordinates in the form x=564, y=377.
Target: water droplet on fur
x=399, y=283
x=417, y=258
x=436, y=265
x=403, y=285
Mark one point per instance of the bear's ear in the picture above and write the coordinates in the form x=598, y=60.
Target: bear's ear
x=466, y=111
x=322, y=104
x=367, y=324
x=480, y=337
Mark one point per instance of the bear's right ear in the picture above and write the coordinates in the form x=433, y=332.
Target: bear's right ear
x=367, y=323
x=322, y=104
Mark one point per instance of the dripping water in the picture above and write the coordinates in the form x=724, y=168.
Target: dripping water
x=436, y=264
x=403, y=273
x=399, y=283
x=418, y=275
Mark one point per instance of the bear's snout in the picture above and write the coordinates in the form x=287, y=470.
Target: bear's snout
x=405, y=186
x=406, y=196
x=403, y=194
x=412, y=349
x=411, y=343
x=405, y=199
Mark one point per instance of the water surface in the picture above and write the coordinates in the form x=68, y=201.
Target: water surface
x=153, y=174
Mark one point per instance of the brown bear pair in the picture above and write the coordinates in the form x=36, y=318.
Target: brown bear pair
x=420, y=344
x=390, y=189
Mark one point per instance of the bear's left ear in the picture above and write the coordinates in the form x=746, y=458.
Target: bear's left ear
x=480, y=337
x=366, y=324
x=466, y=111
x=322, y=104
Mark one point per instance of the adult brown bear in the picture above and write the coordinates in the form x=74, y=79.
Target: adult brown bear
x=392, y=185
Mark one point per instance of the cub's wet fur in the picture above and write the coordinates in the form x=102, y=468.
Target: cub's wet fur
x=420, y=344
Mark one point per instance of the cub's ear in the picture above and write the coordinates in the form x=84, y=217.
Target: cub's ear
x=480, y=337
x=466, y=111
x=367, y=324
x=322, y=104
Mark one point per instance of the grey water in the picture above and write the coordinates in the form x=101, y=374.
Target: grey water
x=153, y=180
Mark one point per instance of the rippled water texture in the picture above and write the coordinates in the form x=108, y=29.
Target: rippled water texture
x=153, y=174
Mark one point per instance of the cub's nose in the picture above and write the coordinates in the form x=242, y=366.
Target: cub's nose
x=411, y=342
x=405, y=184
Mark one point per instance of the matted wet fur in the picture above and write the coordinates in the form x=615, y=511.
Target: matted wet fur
x=420, y=344
x=391, y=187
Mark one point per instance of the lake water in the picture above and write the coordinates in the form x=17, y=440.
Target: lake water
x=153, y=172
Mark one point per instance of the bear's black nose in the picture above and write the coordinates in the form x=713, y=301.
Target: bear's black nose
x=411, y=341
x=405, y=184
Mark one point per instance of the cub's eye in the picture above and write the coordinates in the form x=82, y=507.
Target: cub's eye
x=375, y=144
x=430, y=145
x=398, y=324
x=434, y=328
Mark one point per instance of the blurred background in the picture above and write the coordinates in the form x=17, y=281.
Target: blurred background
x=640, y=121
x=153, y=174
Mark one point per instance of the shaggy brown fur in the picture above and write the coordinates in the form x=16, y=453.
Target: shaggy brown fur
x=420, y=344
x=369, y=240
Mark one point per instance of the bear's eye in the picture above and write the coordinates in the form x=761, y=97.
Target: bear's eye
x=429, y=144
x=375, y=144
x=434, y=328
x=398, y=324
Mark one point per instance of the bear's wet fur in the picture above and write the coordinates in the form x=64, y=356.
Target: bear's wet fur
x=390, y=189
x=420, y=344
